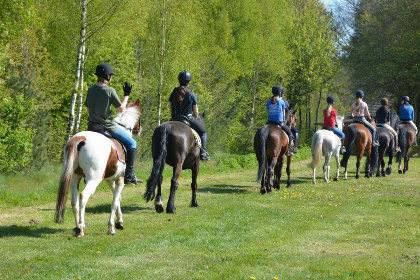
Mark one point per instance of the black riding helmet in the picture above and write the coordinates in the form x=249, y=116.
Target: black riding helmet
x=330, y=99
x=103, y=70
x=360, y=93
x=405, y=98
x=184, y=77
x=278, y=90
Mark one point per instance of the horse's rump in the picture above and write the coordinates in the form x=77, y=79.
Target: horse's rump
x=275, y=143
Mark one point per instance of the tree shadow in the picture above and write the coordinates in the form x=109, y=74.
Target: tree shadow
x=29, y=231
x=224, y=189
x=106, y=208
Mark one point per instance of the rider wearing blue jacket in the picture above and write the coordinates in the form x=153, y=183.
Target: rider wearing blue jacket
x=406, y=112
x=292, y=127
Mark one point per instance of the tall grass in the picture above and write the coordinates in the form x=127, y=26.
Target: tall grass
x=354, y=229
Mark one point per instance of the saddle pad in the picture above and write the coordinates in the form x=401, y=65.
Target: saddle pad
x=119, y=148
x=197, y=138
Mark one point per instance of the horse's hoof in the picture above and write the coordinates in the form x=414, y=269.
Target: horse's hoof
x=262, y=191
x=400, y=171
x=388, y=171
x=111, y=232
x=383, y=174
x=404, y=171
x=119, y=225
x=170, y=210
x=159, y=208
x=194, y=205
x=77, y=232
x=288, y=185
x=335, y=179
x=378, y=175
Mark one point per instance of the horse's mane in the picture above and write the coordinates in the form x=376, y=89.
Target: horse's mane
x=129, y=117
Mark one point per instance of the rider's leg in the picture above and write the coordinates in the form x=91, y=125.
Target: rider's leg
x=290, y=135
x=341, y=135
x=395, y=134
x=296, y=136
x=201, y=130
x=131, y=145
x=372, y=130
x=416, y=130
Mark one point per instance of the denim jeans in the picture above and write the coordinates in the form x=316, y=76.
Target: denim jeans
x=338, y=132
x=125, y=138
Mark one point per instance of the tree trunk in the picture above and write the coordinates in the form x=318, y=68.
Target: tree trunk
x=254, y=94
x=162, y=57
x=80, y=57
x=317, y=108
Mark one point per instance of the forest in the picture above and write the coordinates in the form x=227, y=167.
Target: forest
x=235, y=50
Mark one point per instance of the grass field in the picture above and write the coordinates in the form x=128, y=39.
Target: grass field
x=354, y=229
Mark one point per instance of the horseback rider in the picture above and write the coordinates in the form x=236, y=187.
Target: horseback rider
x=383, y=118
x=358, y=110
x=406, y=113
x=98, y=101
x=183, y=105
x=330, y=117
x=294, y=130
x=276, y=111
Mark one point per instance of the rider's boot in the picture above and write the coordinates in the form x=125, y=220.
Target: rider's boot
x=289, y=149
x=130, y=176
x=295, y=151
x=374, y=140
x=203, y=153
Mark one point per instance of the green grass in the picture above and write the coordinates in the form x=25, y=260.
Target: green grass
x=354, y=229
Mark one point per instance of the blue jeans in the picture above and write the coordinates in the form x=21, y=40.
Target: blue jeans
x=338, y=132
x=125, y=138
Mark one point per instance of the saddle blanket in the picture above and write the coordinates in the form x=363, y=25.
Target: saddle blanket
x=197, y=138
x=119, y=148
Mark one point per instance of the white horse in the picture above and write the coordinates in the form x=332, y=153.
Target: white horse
x=95, y=157
x=325, y=142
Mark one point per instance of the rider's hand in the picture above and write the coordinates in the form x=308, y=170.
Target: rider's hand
x=127, y=88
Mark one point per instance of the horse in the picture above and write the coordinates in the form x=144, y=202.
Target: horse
x=95, y=157
x=406, y=139
x=270, y=146
x=386, y=144
x=358, y=136
x=174, y=143
x=325, y=142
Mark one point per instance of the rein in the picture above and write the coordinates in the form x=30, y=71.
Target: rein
x=132, y=130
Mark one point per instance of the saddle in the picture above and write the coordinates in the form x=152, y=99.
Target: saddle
x=186, y=120
x=118, y=146
x=327, y=128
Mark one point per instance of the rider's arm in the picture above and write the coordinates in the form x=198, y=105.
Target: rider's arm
x=123, y=105
x=351, y=112
x=367, y=113
x=195, y=111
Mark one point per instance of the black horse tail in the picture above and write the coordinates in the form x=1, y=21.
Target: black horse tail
x=351, y=140
x=159, y=158
x=402, y=140
x=261, y=136
x=374, y=155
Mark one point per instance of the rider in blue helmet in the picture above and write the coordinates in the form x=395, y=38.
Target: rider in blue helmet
x=358, y=111
x=183, y=103
x=406, y=113
x=98, y=101
x=294, y=130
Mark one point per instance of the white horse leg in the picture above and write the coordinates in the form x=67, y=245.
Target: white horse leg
x=313, y=175
x=327, y=168
x=74, y=188
x=119, y=224
x=84, y=197
x=337, y=160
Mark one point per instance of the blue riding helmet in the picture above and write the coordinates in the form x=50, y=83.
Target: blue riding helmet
x=360, y=93
x=184, y=77
x=405, y=98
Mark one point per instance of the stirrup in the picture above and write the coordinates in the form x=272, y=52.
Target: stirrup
x=204, y=156
x=131, y=178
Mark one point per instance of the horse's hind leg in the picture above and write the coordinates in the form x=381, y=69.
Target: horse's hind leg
x=390, y=157
x=90, y=188
x=288, y=170
x=116, y=206
x=327, y=168
x=74, y=187
x=170, y=208
x=359, y=156
x=158, y=201
x=195, y=170
x=276, y=181
x=337, y=161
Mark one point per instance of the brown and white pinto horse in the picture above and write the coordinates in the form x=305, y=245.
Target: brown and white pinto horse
x=357, y=135
x=407, y=137
x=95, y=157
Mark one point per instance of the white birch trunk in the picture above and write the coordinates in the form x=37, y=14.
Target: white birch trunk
x=162, y=56
x=80, y=57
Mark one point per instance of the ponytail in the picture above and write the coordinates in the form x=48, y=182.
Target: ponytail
x=179, y=94
x=274, y=99
x=329, y=109
x=359, y=100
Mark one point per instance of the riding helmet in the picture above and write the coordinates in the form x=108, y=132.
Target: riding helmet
x=276, y=90
x=184, y=77
x=330, y=99
x=103, y=70
x=360, y=93
x=384, y=101
x=405, y=98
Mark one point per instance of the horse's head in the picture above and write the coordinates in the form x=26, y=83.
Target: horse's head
x=201, y=117
x=394, y=121
x=291, y=118
x=340, y=122
x=130, y=119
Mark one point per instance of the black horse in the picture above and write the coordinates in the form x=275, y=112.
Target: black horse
x=406, y=140
x=173, y=142
x=386, y=145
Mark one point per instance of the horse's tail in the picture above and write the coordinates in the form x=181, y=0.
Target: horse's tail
x=350, y=140
x=316, y=148
x=261, y=138
x=159, y=158
x=70, y=156
x=374, y=159
x=402, y=141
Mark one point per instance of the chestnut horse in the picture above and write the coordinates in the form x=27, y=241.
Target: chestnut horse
x=95, y=157
x=173, y=142
x=357, y=135
x=406, y=139
x=270, y=146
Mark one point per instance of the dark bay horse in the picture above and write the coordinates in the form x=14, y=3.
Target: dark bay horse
x=406, y=139
x=173, y=142
x=270, y=146
x=386, y=144
x=358, y=136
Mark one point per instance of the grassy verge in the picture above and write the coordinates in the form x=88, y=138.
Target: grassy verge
x=354, y=229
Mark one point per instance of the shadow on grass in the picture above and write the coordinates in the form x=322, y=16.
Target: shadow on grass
x=29, y=231
x=106, y=208
x=223, y=189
